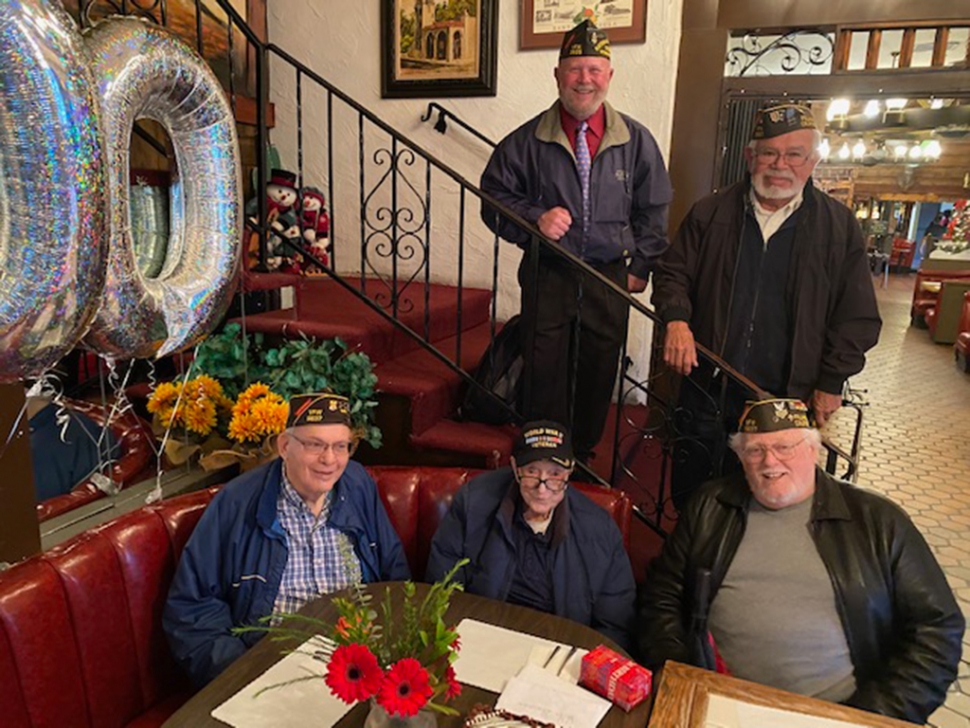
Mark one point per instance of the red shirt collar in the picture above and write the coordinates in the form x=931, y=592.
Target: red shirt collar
x=597, y=125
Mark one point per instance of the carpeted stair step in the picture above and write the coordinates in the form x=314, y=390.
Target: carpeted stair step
x=433, y=388
x=491, y=444
x=285, y=323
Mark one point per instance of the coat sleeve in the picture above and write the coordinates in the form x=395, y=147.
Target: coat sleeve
x=674, y=276
x=661, y=624
x=913, y=681
x=853, y=325
x=448, y=544
x=648, y=213
x=506, y=179
x=197, y=617
x=613, y=607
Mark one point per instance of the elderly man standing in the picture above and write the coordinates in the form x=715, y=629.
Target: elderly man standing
x=771, y=275
x=534, y=541
x=592, y=180
x=309, y=523
x=805, y=583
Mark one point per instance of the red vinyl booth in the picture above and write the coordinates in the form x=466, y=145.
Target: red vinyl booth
x=926, y=291
x=961, y=348
x=81, y=642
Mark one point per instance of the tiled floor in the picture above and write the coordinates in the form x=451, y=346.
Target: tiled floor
x=916, y=449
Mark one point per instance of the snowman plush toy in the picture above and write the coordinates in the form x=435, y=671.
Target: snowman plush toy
x=281, y=196
x=316, y=224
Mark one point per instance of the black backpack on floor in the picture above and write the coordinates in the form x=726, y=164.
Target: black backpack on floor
x=500, y=372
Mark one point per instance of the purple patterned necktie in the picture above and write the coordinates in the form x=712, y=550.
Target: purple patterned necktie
x=583, y=162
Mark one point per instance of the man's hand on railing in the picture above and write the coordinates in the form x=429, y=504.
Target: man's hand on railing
x=680, y=354
x=824, y=405
x=555, y=222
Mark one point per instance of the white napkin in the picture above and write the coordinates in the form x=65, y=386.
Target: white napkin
x=286, y=706
x=539, y=694
x=491, y=655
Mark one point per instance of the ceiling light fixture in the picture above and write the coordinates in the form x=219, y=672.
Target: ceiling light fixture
x=933, y=149
x=895, y=104
x=844, y=151
x=837, y=109
x=824, y=150
x=900, y=150
x=859, y=150
x=872, y=109
x=936, y=103
x=916, y=152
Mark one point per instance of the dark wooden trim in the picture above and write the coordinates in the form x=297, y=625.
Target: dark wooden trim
x=256, y=18
x=906, y=49
x=872, y=49
x=19, y=531
x=636, y=32
x=843, y=47
x=939, y=47
x=887, y=83
x=799, y=13
x=246, y=112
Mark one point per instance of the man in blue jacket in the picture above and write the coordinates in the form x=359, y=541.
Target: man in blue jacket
x=306, y=524
x=533, y=541
x=593, y=181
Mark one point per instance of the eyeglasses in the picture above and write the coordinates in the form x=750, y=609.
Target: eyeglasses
x=758, y=453
x=315, y=447
x=793, y=158
x=553, y=485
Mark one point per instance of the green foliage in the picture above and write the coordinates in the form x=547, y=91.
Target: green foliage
x=454, y=9
x=407, y=31
x=297, y=366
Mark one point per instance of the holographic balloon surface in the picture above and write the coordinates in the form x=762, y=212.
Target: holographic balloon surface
x=52, y=202
x=143, y=71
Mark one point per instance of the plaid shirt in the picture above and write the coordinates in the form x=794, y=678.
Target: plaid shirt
x=321, y=558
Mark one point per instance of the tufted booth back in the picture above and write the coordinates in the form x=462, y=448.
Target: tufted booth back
x=81, y=642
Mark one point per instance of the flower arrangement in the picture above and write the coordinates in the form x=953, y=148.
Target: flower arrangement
x=199, y=405
x=258, y=413
x=402, y=660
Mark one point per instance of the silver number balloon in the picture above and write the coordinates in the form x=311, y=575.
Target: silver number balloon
x=52, y=243
x=143, y=71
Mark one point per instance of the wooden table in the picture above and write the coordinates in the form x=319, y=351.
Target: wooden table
x=196, y=712
x=681, y=700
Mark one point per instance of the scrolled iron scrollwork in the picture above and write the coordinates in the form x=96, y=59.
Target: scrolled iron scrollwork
x=90, y=11
x=798, y=52
x=394, y=231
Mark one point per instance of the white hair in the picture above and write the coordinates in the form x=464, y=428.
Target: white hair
x=738, y=440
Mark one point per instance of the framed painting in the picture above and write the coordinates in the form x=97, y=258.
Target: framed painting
x=438, y=48
x=543, y=22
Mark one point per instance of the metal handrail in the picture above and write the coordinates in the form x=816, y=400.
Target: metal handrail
x=441, y=126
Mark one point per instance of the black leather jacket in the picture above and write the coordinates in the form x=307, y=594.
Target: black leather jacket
x=901, y=621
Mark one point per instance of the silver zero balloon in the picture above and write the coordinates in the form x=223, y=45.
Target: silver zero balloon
x=52, y=244
x=143, y=71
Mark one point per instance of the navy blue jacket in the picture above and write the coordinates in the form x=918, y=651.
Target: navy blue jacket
x=592, y=581
x=231, y=568
x=534, y=169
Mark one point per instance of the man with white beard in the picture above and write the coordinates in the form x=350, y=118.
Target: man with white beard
x=771, y=274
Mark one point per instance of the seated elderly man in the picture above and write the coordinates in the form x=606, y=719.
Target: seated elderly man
x=534, y=541
x=805, y=583
x=309, y=523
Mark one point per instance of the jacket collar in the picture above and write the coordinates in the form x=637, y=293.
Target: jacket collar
x=828, y=503
x=549, y=129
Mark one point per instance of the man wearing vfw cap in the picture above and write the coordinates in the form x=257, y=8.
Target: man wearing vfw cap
x=309, y=523
x=771, y=274
x=534, y=541
x=803, y=582
x=592, y=180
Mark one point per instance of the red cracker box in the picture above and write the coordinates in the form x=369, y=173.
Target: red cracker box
x=615, y=677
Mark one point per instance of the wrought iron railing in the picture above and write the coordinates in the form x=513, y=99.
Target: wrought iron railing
x=400, y=242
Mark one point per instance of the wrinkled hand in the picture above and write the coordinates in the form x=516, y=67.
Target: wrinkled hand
x=635, y=284
x=824, y=405
x=555, y=222
x=680, y=354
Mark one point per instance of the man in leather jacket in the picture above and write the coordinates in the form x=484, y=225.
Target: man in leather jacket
x=803, y=582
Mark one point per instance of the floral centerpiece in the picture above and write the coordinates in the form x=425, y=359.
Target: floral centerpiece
x=258, y=416
x=400, y=660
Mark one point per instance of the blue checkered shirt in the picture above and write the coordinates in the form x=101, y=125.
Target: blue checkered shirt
x=321, y=558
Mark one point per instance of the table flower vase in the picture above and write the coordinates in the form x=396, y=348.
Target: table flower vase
x=380, y=718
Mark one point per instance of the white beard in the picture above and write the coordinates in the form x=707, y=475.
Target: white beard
x=771, y=192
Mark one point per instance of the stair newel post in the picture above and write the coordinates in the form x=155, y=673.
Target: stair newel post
x=262, y=144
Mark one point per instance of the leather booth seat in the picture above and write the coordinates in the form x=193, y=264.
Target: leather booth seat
x=81, y=642
x=135, y=463
x=961, y=348
x=926, y=292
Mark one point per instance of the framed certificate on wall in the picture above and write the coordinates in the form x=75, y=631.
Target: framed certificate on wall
x=543, y=22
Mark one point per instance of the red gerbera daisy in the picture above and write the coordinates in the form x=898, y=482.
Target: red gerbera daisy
x=353, y=673
x=454, y=687
x=405, y=689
